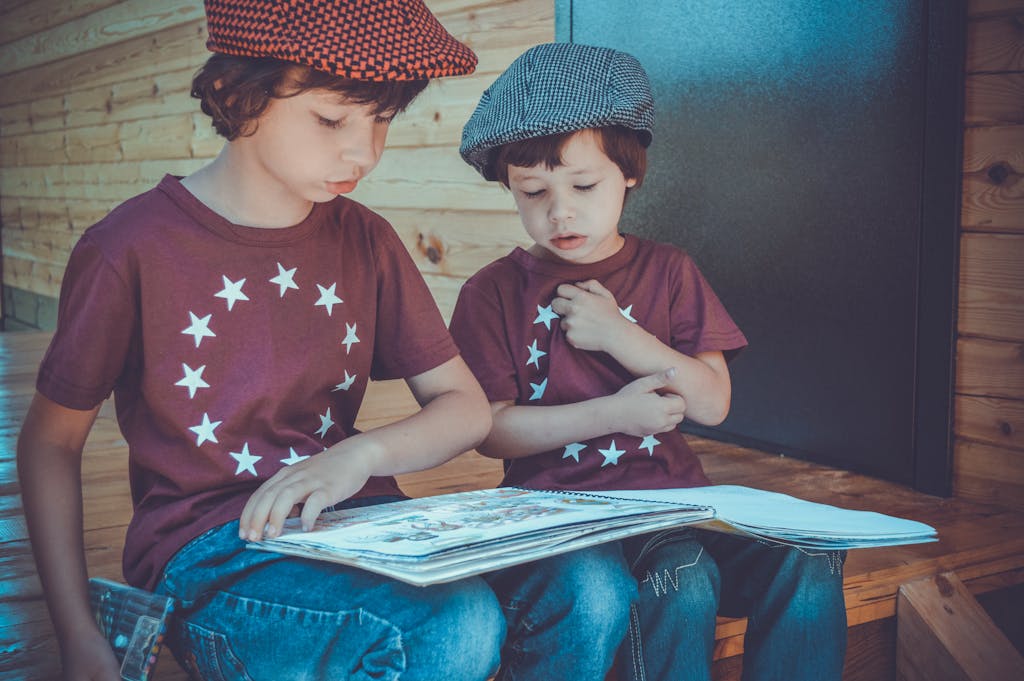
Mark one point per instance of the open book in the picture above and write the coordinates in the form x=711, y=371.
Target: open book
x=451, y=536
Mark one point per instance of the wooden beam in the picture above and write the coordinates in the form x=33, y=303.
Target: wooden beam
x=987, y=367
x=995, y=44
x=105, y=27
x=943, y=634
x=991, y=286
x=993, y=196
x=994, y=99
x=988, y=474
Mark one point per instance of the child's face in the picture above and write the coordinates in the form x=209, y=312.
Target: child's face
x=315, y=145
x=572, y=211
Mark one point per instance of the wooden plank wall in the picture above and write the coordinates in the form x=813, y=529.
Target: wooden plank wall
x=94, y=108
x=989, y=406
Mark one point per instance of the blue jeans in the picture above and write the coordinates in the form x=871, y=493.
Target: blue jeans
x=567, y=614
x=792, y=599
x=245, y=614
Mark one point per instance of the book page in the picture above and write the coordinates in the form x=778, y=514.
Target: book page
x=434, y=525
x=783, y=516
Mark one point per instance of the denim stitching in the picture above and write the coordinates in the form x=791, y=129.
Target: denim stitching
x=656, y=540
x=254, y=607
x=670, y=576
x=834, y=558
x=218, y=654
x=636, y=644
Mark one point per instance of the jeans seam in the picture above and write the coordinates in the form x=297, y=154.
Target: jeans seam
x=636, y=644
x=215, y=643
x=656, y=540
x=262, y=608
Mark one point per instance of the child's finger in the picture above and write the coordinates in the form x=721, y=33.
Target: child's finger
x=568, y=291
x=677, y=411
x=284, y=500
x=315, y=503
x=653, y=382
x=595, y=287
x=256, y=512
x=246, y=522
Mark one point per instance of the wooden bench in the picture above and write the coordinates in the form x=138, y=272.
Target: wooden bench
x=983, y=545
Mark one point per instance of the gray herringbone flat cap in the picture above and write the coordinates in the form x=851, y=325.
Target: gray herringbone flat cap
x=555, y=88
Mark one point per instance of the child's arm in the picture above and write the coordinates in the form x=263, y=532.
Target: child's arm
x=454, y=418
x=50, y=472
x=592, y=321
x=636, y=409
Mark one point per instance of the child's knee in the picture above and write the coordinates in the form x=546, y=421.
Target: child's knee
x=587, y=590
x=816, y=582
x=673, y=564
x=463, y=635
x=683, y=574
x=599, y=586
x=604, y=608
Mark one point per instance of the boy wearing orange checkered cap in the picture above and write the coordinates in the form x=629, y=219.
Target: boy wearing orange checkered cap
x=237, y=314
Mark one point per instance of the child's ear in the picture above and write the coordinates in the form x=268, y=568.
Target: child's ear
x=631, y=182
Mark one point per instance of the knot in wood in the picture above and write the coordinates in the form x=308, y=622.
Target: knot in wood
x=430, y=247
x=944, y=586
x=999, y=172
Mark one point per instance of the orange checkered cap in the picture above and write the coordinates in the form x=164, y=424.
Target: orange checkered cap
x=359, y=39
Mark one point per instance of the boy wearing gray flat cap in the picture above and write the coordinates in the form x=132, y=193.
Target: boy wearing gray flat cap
x=592, y=346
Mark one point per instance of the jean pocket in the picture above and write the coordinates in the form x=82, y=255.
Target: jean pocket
x=208, y=655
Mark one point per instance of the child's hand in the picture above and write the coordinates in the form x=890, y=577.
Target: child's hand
x=590, y=317
x=645, y=411
x=317, y=482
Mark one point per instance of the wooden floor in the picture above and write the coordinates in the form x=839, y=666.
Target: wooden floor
x=983, y=544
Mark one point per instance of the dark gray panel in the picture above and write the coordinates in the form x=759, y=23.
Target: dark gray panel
x=787, y=158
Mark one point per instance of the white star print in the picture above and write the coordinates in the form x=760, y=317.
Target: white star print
x=246, y=461
x=346, y=384
x=293, y=458
x=649, y=443
x=350, y=337
x=193, y=379
x=232, y=291
x=204, y=431
x=327, y=298
x=200, y=328
x=627, y=312
x=535, y=355
x=325, y=423
x=573, y=450
x=538, y=389
x=544, y=316
x=285, y=279
x=611, y=455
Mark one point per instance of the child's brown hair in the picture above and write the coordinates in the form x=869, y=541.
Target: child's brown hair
x=235, y=91
x=620, y=144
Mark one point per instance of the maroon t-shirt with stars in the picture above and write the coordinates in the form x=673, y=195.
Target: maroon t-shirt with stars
x=512, y=341
x=232, y=351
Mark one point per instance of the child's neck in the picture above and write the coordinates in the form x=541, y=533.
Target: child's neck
x=228, y=187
